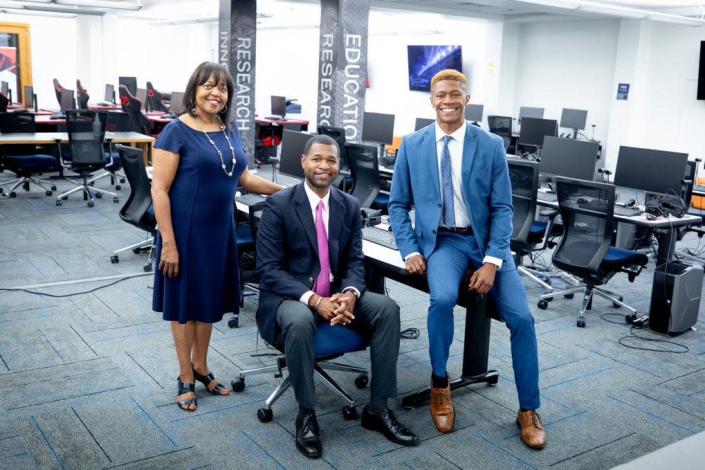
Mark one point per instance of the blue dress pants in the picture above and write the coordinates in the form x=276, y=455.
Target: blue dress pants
x=454, y=254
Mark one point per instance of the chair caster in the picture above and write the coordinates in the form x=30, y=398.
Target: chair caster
x=115, y=259
x=349, y=413
x=264, y=415
x=238, y=385
x=147, y=267
x=90, y=204
x=13, y=194
x=542, y=304
x=58, y=203
x=47, y=192
x=569, y=296
x=361, y=381
x=53, y=187
x=136, y=251
x=581, y=322
x=234, y=322
x=98, y=195
x=2, y=190
x=118, y=187
x=64, y=198
x=616, y=305
x=116, y=200
x=492, y=380
x=122, y=180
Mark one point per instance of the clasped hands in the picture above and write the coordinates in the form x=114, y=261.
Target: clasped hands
x=338, y=308
x=481, y=280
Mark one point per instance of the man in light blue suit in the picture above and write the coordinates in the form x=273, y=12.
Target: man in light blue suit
x=455, y=176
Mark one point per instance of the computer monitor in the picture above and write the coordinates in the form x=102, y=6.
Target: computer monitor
x=130, y=83
x=423, y=122
x=67, y=102
x=533, y=130
x=529, y=112
x=176, y=104
x=652, y=171
x=573, y=118
x=109, y=93
x=292, y=147
x=378, y=128
x=142, y=96
x=28, y=96
x=569, y=157
x=473, y=112
x=278, y=105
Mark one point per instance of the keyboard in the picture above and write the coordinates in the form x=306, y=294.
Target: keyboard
x=250, y=199
x=107, y=104
x=593, y=205
x=627, y=211
x=548, y=197
x=379, y=236
x=57, y=116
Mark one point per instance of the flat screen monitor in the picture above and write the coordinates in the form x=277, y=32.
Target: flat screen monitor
x=176, y=104
x=701, y=72
x=141, y=95
x=533, y=130
x=426, y=61
x=378, y=128
x=573, y=118
x=652, y=171
x=292, y=147
x=67, y=102
x=130, y=83
x=569, y=157
x=278, y=105
x=473, y=112
x=423, y=122
x=28, y=96
x=528, y=111
x=109, y=93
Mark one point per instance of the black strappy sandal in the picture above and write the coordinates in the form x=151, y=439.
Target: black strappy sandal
x=207, y=379
x=185, y=388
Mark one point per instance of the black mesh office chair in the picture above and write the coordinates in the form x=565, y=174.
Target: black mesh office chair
x=345, y=180
x=154, y=99
x=25, y=161
x=502, y=126
x=585, y=249
x=58, y=90
x=364, y=168
x=86, y=131
x=82, y=96
x=4, y=102
x=137, y=210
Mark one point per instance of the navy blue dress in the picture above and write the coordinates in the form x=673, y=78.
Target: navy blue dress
x=202, y=214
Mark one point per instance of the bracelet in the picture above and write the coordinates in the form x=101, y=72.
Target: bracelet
x=318, y=303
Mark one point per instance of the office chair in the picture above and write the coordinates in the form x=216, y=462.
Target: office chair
x=82, y=96
x=154, y=99
x=137, y=210
x=24, y=161
x=502, y=126
x=585, y=250
x=364, y=168
x=330, y=343
x=58, y=89
x=132, y=106
x=86, y=131
x=4, y=102
x=345, y=181
x=691, y=170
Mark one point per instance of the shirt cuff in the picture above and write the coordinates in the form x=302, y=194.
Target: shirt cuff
x=496, y=261
x=306, y=297
x=415, y=253
x=354, y=291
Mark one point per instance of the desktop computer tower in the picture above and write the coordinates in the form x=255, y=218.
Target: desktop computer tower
x=675, y=298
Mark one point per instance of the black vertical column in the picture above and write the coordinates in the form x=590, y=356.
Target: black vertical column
x=237, y=49
x=342, y=67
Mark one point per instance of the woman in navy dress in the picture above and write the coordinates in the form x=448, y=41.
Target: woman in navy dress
x=198, y=163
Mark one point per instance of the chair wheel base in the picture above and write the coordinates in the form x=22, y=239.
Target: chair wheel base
x=349, y=412
x=492, y=380
x=238, y=385
x=361, y=381
x=53, y=187
x=13, y=194
x=581, y=322
x=542, y=304
x=114, y=259
x=264, y=415
x=147, y=267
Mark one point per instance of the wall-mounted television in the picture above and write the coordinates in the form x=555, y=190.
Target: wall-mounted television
x=701, y=74
x=426, y=61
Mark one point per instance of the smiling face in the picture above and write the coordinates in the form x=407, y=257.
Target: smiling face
x=449, y=99
x=320, y=165
x=211, y=96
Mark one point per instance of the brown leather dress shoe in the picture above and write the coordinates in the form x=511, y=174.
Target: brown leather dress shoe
x=442, y=410
x=532, y=433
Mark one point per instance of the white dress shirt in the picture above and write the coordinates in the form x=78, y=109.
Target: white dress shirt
x=313, y=200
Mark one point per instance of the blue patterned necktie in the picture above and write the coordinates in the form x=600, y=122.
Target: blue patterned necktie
x=447, y=183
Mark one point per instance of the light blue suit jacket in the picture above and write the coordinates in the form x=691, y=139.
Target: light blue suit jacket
x=486, y=191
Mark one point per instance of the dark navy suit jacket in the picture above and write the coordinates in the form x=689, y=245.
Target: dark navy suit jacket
x=287, y=251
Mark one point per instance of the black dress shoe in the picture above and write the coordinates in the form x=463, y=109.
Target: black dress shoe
x=387, y=424
x=307, y=440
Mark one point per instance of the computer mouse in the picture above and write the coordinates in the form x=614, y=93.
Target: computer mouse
x=630, y=203
x=650, y=216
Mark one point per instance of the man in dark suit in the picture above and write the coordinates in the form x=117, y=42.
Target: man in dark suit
x=311, y=265
x=455, y=175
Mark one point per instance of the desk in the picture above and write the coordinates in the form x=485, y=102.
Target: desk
x=141, y=141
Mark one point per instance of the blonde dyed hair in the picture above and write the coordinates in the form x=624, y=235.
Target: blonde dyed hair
x=449, y=74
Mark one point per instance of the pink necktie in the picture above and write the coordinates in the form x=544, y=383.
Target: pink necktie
x=322, y=287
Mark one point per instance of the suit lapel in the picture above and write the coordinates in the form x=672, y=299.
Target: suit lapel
x=430, y=151
x=469, y=148
x=336, y=213
x=303, y=211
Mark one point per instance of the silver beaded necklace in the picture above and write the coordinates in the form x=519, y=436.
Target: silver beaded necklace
x=220, y=154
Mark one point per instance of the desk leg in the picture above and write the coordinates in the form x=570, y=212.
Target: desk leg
x=475, y=354
x=666, y=247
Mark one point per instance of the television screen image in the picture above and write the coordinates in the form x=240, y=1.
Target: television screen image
x=426, y=61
